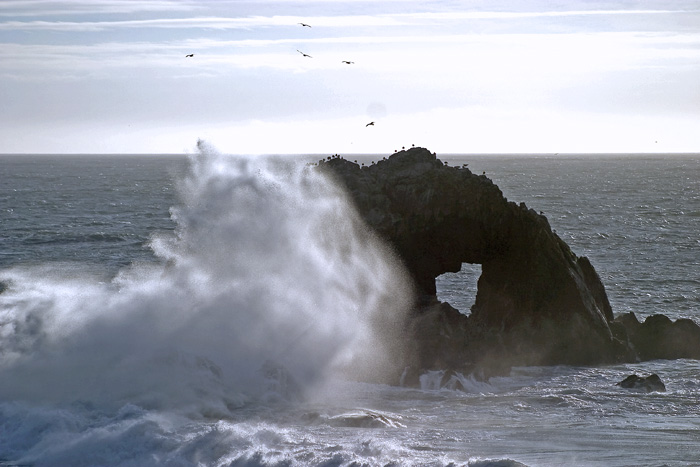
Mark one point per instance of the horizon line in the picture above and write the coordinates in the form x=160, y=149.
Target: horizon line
x=451, y=153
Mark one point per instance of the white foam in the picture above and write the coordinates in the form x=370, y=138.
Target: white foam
x=269, y=263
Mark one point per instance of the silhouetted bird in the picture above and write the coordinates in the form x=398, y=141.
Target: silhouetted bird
x=347, y=62
x=189, y=55
x=369, y=124
x=305, y=25
x=305, y=55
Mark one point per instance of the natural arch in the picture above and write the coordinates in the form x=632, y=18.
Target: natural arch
x=459, y=288
x=536, y=302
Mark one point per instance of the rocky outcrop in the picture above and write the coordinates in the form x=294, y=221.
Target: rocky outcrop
x=658, y=337
x=648, y=384
x=537, y=303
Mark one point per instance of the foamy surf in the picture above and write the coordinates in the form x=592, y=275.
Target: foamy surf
x=269, y=286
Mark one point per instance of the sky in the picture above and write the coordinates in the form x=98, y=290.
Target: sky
x=472, y=76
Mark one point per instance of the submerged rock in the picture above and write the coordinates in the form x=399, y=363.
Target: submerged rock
x=360, y=418
x=648, y=384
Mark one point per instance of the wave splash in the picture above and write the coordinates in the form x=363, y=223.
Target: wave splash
x=269, y=286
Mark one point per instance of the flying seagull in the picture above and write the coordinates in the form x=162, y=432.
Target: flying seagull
x=305, y=25
x=305, y=55
x=189, y=55
x=369, y=124
x=347, y=62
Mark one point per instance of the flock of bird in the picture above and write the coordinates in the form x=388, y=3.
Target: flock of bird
x=347, y=62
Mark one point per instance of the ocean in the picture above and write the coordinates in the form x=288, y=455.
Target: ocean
x=214, y=310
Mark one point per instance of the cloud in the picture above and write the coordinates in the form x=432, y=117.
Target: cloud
x=68, y=7
x=200, y=23
x=119, y=68
x=248, y=22
x=471, y=15
x=439, y=57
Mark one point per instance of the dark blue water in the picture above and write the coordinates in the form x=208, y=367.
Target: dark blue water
x=88, y=209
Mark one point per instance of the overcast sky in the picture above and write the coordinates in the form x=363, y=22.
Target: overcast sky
x=490, y=76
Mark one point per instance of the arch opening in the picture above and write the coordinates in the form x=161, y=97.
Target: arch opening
x=459, y=288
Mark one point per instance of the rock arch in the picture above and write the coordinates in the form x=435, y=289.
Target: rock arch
x=459, y=288
x=537, y=303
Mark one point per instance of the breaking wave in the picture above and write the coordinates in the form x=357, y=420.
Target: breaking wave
x=269, y=286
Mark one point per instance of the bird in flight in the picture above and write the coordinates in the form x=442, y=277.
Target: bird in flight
x=305, y=25
x=189, y=55
x=369, y=124
x=347, y=62
x=305, y=55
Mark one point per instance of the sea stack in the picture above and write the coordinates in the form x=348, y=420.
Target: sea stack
x=537, y=303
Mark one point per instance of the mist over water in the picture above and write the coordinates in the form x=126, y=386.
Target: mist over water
x=269, y=287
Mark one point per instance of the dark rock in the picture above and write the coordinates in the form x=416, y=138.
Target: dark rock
x=537, y=303
x=629, y=323
x=364, y=418
x=361, y=418
x=658, y=337
x=648, y=384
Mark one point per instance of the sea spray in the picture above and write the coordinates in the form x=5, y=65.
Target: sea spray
x=269, y=284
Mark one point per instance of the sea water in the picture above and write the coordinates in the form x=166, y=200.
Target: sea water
x=219, y=310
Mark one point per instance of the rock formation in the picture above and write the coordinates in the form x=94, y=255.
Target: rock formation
x=648, y=384
x=658, y=337
x=537, y=303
